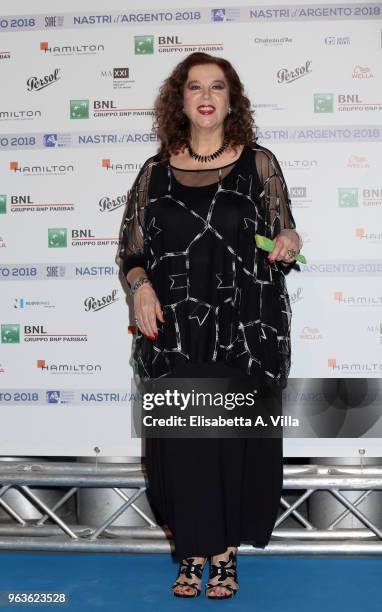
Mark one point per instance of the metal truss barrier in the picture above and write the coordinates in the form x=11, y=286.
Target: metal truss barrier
x=52, y=533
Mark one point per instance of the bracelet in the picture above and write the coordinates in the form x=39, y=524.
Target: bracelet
x=140, y=281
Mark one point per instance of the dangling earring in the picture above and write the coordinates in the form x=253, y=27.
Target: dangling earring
x=229, y=110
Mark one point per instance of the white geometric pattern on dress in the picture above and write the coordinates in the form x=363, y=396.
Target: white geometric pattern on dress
x=271, y=212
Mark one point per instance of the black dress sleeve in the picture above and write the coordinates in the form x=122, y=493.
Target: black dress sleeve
x=133, y=236
x=275, y=199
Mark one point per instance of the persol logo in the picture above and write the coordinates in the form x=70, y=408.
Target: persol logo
x=288, y=76
x=35, y=83
x=93, y=304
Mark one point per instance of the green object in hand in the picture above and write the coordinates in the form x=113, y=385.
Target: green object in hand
x=266, y=244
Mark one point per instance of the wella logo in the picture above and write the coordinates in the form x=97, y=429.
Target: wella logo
x=362, y=72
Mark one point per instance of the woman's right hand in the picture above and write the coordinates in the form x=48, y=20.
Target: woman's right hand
x=147, y=308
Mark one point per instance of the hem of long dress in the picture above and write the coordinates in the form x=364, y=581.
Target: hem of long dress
x=180, y=555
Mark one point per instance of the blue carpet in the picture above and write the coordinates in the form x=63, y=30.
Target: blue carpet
x=123, y=582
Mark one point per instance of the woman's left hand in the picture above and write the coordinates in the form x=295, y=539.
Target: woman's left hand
x=285, y=241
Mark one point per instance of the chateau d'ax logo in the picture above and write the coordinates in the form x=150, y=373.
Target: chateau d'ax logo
x=35, y=83
x=284, y=75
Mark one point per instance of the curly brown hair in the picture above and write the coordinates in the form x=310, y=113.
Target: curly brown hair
x=172, y=125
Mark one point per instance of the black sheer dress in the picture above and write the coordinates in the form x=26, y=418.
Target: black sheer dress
x=227, y=314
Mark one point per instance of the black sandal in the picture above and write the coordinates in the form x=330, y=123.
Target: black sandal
x=225, y=569
x=189, y=569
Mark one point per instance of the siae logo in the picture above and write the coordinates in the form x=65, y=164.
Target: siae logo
x=79, y=109
x=54, y=21
x=144, y=45
x=323, y=102
x=57, y=238
x=10, y=334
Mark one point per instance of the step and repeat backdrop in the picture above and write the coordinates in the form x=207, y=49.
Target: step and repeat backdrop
x=76, y=126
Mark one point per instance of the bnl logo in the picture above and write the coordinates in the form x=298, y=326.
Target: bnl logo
x=10, y=334
x=57, y=237
x=144, y=45
x=323, y=103
x=348, y=197
x=79, y=109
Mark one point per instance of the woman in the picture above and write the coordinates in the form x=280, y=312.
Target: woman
x=207, y=302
